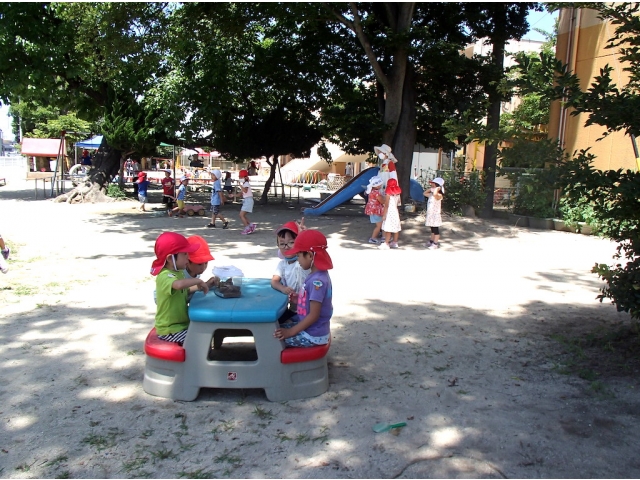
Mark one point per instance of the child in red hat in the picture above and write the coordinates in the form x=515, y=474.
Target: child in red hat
x=247, y=203
x=289, y=275
x=315, y=306
x=172, y=288
x=143, y=185
x=391, y=215
x=199, y=261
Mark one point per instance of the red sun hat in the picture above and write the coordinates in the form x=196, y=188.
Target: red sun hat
x=392, y=187
x=315, y=242
x=291, y=226
x=203, y=254
x=170, y=243
x=243, y=174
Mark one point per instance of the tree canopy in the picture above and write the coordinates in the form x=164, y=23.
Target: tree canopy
x=261, y=79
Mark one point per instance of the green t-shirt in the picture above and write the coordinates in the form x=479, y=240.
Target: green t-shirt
x=171, y=312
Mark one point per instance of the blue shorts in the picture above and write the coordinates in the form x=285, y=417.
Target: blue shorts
x=375, y=218
x=215, y=209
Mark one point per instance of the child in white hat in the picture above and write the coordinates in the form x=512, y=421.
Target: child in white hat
x=217, y=200
x=375, y=206
x=435, y=194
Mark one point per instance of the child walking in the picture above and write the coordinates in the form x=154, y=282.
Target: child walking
x=375, y=206
x=228, y=187
x=172, y=288
x=143, y=185
x=315, y=304
x=289, y=275
x=247, y=203
x=180, y=197
x=168, y=193
x=435, y=194
x=217, y=200
x=391, y=216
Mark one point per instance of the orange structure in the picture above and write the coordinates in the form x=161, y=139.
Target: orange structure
x=582, y=41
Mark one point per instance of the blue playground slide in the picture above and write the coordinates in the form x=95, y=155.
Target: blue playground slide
x=353, y=187
x=416, y=192
x=356, y=186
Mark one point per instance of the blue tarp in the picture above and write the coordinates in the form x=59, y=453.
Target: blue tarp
x=90, y=143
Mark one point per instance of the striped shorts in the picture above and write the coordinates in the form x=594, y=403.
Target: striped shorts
x=177, y=337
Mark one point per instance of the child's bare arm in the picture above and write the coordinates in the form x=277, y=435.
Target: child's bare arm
x=386, y=207
x=276, y=284
x=190, y=282
x=311, y=318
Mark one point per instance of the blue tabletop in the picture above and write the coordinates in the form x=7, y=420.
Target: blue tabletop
x=259, y=303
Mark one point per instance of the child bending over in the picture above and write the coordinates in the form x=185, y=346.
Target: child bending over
x=172, y=288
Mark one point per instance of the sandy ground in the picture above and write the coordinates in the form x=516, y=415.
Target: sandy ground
x=472, y=345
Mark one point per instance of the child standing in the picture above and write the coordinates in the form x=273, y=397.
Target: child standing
x=172, y=288
x=375, y=206
x=391, y=216
x=167, y=190
x=247, y=203
x=180, y=197
x=228, y=186
x=315, y=305
x=143, y=185
x=289, y=275
x=217, y=200
x=435, y=194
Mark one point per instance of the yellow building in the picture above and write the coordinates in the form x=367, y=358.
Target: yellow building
x=582, y=41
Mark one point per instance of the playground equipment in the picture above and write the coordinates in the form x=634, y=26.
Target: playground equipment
x=356, y=186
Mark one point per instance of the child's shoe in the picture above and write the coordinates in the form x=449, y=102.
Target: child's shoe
x=393, y=245
x=428, y=244
x=5, y=253
x=225, y=225
x=374, y=241
x=246, y=230
x=383, y=246
x=434, y=246
x=253, y=227
x=211, y=225
x=3, y=266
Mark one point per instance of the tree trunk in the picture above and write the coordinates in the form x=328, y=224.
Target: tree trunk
x=405, y=135
x=272, y=175
x=106, y=164
x=490, y=160
x=493, y=123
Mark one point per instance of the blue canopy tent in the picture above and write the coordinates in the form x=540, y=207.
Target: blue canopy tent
x=93, y=142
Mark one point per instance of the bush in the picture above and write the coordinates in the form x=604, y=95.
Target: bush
x=114, y=191
x=463, y=188
x=612, y=198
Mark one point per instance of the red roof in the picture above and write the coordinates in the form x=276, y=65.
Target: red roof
x=41, y=147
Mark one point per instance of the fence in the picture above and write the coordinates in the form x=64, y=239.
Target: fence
x=503, y=193
x=14, y=167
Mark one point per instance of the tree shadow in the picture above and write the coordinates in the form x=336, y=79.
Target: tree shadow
x=481, y=394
